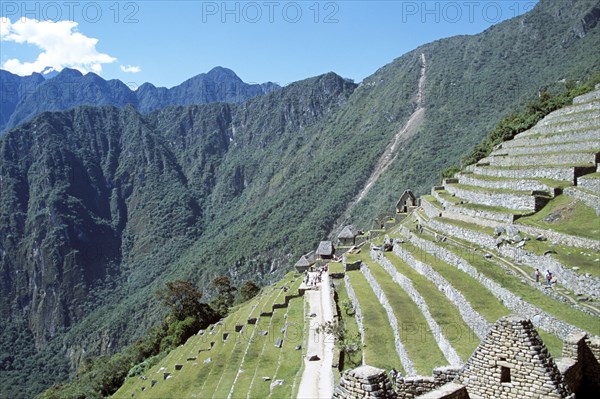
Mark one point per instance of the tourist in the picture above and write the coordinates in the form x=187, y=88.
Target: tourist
x=393, y=374
x=549, y=278
x=537, y=276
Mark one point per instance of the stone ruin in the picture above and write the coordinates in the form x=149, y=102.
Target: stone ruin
x=511, y=362
x=365, y=382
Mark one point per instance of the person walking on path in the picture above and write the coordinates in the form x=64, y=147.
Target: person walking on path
x=537, y=276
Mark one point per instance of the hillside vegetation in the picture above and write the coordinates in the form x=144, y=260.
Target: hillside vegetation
x=101, y=206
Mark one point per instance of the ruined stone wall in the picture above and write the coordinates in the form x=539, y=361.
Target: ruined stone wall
x=540, y=149
x=412, y=387
x=357, y=312
x=364, y=382
x=589, y=183
x=561, y=127
x=468, y=215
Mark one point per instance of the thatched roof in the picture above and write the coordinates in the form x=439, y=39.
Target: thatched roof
x=325, y=248
x=348, y=232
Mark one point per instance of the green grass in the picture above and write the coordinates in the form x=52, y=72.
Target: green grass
x=549, y=182
x=576, y=218
x=291, y=360
x=447, y=196
x=595, y=175
x=433, y=201
x=442, y=310
x=489, y=190
x=415, y=335
x=351, y=325
x=529, y=293
x=336, y=267
x=587, y=260
x=480, y=298
x=379, y=338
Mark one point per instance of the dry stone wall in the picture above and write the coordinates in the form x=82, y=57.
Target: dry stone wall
x=589, y=199
x=541, y=149
x=472, y=236
x=568, y=158
x=430, y=209
x=557, y=173
x=470, y=215
x=560, y=238
x=574, y=116
x=561, y=127
x=510, y=184
x=591, y=96
x=589, y=183
x=568, y=278
x=471, y=317
x=576, y=135
x=404, y=282
x=522, y=202
x=545, y=321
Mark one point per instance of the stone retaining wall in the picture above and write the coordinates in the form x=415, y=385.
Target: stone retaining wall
x=406, y=284
x=575, y=108
x=589, y=199
x=558, y=173
x=576, y=135
x=594, y=95
x=506, y=200
x=568, y=278
x=471, y=317
x=500, y=217
x=430, y=209
x=560, y=238
x=589, y=183
x=364, y=382
x=472, y=236
x=561, y=127
x=546, y=159
x=440, y=199
x=511, y=301
x=542, y=149
x=448, y=391
x=357, y=312
x=400, y=350
x=455, y=213
x=592, y=112
x=511, y=184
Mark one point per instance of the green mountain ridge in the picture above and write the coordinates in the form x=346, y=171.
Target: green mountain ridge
x=197, y=191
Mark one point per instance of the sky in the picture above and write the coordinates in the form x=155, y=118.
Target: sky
x=167, y=42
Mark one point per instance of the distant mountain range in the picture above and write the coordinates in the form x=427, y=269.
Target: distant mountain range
x=23, y=97
x=101, y=205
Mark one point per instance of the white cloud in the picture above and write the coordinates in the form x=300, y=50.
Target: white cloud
x=131, y=68
x=60, y=44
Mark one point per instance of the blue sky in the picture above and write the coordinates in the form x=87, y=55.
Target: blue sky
x=281, y=41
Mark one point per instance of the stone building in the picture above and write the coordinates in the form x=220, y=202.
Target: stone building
x=406, y=201
x=325, y=250
x=305, y=262
x=511, y=362
x=348, y=235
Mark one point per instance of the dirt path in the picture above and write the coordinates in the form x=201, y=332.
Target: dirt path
x=391, y=152
x=317, y=378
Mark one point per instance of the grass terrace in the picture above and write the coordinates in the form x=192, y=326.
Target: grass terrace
x=448, y=197
x=529, y=293
x=442, y=310
x=354, y=360
x=379, y=349
x=466, y=225
x=433, y=201
x=566, y=215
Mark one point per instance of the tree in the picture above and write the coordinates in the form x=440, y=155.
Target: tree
x=249, y=290
x=225, y=295
x=183, y=299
